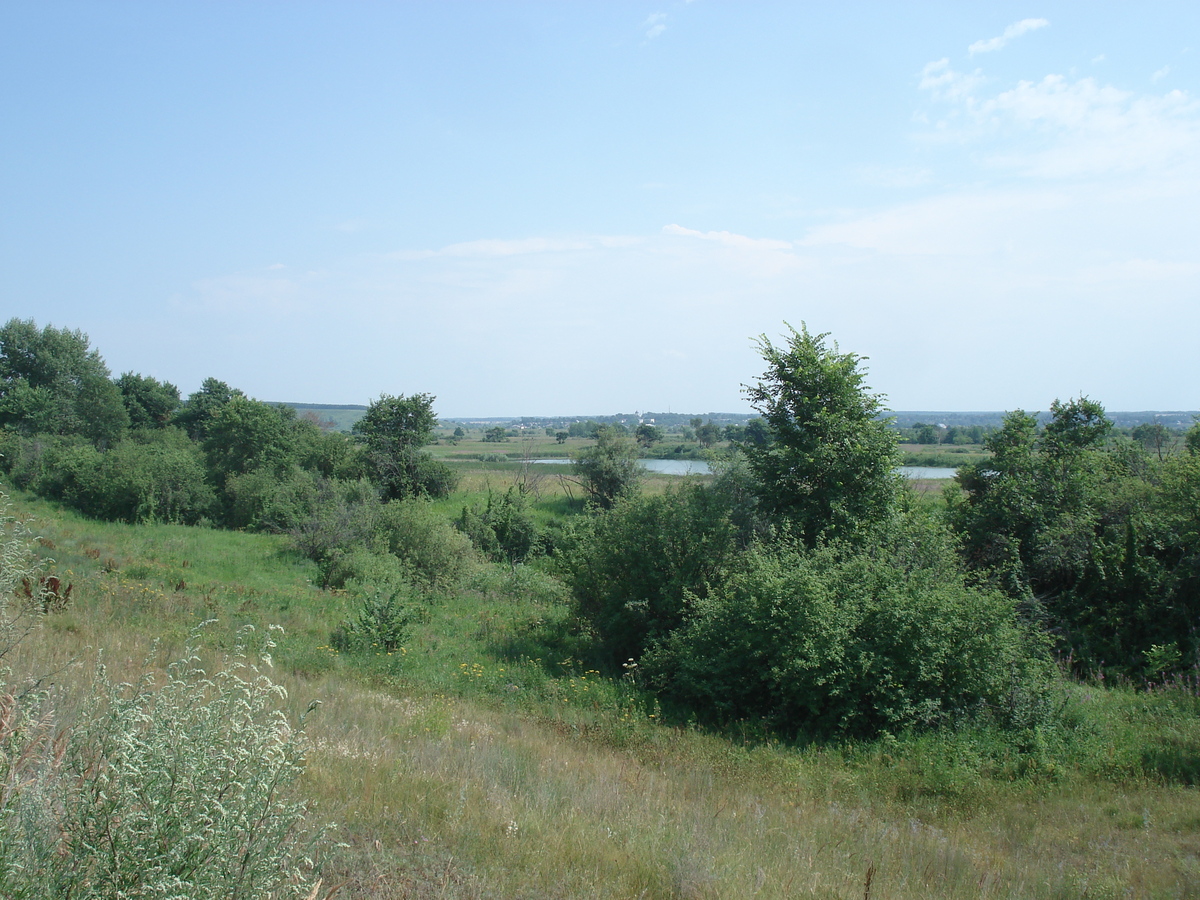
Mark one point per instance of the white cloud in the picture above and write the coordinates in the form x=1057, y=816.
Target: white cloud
x=896, y=176
x=729, y=239
x=655, y=24
x=1012, y=31
x=1092, y=129
x=1057, y=127
x=1072, y=276
x=497, y=247
x=947, y=85
x=1160, y=74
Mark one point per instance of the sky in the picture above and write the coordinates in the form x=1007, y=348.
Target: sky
x=543, y=209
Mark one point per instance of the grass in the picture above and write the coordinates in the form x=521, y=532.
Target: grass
x=491, y=756
x=941, y=455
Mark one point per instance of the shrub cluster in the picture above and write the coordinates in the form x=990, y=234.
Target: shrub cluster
x=801, y=587
x=1098, y=537
x=127, y=449
x=848, y=641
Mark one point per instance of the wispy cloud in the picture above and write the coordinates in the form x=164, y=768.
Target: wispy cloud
x=895, y=176
x=947, y=85
x=497, y=247
x=1058, y=127
x=729, y=239
x=1161, y=74
x=1012, y=31
x=655, y=24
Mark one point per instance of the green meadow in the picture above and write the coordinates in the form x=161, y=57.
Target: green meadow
x=493, y=755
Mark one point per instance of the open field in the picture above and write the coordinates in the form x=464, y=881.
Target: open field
x=490, y=757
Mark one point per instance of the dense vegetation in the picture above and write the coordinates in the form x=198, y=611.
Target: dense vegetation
x=803, y=594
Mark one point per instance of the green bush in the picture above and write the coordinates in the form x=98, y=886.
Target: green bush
x=632, y=569
x=343, y=517
x=502, y=528
x=32, y=461
x=155, y=475
x=382, y=619
x=1099, y=538
x=608, y=470
x=414, y=532
x=853, y=642
x=349, y=566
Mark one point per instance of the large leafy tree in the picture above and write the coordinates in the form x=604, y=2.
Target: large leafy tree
x=1027, y=513
x=828, y=468
x=395, y=429
x=246, y=435
x=52, y=382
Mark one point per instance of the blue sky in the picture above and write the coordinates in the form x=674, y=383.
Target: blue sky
x=556, y=208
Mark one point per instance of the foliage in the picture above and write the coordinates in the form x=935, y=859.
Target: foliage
x=382, y=622
x=395, y=429
x=393, y=425
x=828, y=468
x=202, y=407
x=632, y=569
x=1096, y=537
x=244, y=435
x=502, y=528
x=709, y=433
x=1192, y=439
x=154, y=476
x=275, y=501
x=844, y=641
x=342, y=516
x=415, y=533
x=149, y=402
x=496, y=435
x=52, y=382
x=608, y=470
x=647, y=435
x=163, y=792
x=353, y=537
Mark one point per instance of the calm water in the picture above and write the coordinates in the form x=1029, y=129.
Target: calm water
x=697, y=467
x=927, y=472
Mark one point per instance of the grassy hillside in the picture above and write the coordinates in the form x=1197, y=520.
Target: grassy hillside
x=489, y=756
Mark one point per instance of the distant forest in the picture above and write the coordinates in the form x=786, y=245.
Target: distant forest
x=343, y=417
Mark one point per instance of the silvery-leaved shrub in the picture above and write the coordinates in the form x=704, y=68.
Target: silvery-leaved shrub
x=175, y=787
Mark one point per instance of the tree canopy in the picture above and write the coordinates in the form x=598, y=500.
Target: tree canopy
x=828, y=468
x=395, y=429
x=52, y=382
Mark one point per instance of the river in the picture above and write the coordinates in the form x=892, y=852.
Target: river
x=699, y=467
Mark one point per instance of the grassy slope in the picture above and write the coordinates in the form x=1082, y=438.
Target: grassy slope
x=489, y=759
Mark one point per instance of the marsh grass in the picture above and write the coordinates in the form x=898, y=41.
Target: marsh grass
x=491, y=755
